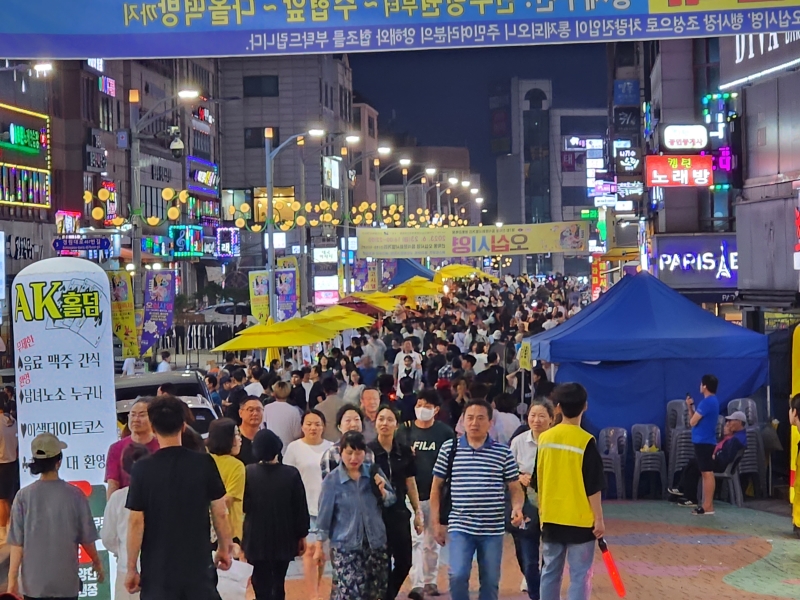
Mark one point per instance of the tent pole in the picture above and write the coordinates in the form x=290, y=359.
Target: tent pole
x=769, y=459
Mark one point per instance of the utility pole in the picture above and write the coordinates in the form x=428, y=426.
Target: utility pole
x=273, y=296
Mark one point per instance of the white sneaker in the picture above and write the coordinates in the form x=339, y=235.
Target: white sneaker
x=523, y=587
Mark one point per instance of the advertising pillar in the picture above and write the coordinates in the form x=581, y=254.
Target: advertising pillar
x=61, y=308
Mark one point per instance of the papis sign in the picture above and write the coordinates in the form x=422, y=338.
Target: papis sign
x=64, y=355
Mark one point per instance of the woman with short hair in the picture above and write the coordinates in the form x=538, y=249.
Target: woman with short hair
x=224, y=443
x=351, y=503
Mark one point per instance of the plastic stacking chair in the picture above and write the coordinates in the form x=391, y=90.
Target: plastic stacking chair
x=754, y=462
x=680, y=453
x=748, y=406
x=650, y=461
x=731, y=477
x=613, y=445
x=720, y=430
x=677, y=418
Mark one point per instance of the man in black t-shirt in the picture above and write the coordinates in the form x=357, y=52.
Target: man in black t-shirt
x=169, y=499
x=425, y=435
x=236, y=395
x=492, y=376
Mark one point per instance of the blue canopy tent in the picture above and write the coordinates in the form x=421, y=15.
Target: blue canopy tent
x=406, y=269
x=643, y=344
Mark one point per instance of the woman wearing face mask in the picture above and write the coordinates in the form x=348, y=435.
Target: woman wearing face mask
x=349, y=418
x=524, y=448
x=396, y=460
x=350, y=517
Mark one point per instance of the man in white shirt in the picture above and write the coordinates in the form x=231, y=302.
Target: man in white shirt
x=408, y=350
x=280, y=417
x=551, y=322
x=164, y=366
x=254, y=388
x=376, y=350
x=481, y=358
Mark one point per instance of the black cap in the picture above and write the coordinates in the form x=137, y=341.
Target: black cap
x=266, y=445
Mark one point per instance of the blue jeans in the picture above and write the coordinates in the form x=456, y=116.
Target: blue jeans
x=463, y=547
x=579, y=557
x=527, y=548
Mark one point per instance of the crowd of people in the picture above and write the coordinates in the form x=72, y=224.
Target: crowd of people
x=420, y=432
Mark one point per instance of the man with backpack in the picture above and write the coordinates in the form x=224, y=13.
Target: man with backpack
x=478, y=471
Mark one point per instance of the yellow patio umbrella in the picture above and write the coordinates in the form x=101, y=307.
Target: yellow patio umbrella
x=417, y=286
x=458, y=270
x=306, y=334
x=383, y=301
x=371, y=295
x=341, y=318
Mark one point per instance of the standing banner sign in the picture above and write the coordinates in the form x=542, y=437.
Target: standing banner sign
x=287, y=294
x=259, y=295
x=61, y=308
x=159, y=301
x=75, y=29
x=571, y=237
x=123, y=314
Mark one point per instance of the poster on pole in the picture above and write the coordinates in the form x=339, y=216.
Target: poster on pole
x=259, y=295
x=159, y=301
x=122, y=313
x=290, y=262
x=287, y=294
x=61, y=308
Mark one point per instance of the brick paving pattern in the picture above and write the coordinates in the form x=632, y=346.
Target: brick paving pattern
x=663, y=551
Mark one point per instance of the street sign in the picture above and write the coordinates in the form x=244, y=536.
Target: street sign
x=81, y=244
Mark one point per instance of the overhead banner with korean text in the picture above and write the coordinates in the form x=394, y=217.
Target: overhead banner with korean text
x=259, y=295
x=61, y=309
x=566, y=236
x=76, y=29
x=123, y=314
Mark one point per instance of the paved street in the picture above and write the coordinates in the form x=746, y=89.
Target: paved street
x=663, y=551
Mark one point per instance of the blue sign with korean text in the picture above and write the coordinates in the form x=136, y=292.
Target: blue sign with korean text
x=81, y=244
x=77, y=29
x=626, y=92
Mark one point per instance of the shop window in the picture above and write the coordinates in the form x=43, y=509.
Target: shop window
x=254, y=137
x=260, y=86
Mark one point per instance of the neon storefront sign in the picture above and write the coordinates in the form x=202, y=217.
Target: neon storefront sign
x=687, y=261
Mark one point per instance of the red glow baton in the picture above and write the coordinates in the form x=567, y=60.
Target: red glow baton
x=611, y=567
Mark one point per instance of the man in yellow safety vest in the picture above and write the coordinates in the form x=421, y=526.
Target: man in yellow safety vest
x=570, y=481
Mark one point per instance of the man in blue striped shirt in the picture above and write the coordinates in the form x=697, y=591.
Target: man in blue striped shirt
x=482, y=468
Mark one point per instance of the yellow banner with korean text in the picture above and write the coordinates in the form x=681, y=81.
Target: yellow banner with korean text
x=259, y=295
x=122, y=313
x=571, y=237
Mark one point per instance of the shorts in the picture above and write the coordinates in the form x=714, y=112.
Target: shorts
x=9, y=480
x=703, y=453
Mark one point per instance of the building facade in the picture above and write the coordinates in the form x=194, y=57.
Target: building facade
x=290, y=95
x=541, y=178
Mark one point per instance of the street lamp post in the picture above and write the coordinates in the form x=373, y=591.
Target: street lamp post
x=270, y=155
x=138, y=125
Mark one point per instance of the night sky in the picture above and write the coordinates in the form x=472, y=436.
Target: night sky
x=441, y=97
